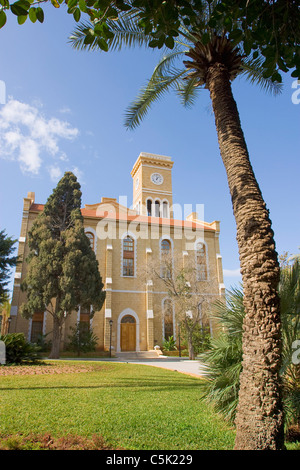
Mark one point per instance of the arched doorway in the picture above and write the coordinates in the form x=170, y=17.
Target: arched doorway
x=128, y=333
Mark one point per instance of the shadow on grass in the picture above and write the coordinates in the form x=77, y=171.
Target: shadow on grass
x=142, y=383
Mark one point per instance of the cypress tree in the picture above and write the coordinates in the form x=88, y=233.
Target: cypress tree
x=62, y=267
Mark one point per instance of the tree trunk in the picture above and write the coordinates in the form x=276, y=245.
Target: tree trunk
x=56, y=338
x=259, y=419
x=190, y=342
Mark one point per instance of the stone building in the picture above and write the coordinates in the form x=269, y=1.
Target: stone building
x=137, y=314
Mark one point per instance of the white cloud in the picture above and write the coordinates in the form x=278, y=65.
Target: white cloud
x=232, y=272
x=65, y=110
x=25, y=135
x=78, y=173
x=55, y=173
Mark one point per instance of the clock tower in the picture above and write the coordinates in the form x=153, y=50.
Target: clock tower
x=152, y=185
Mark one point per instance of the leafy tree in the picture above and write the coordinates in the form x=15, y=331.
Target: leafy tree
x=215, y=60
x=7, y=261
x=267, y=27
x=187, y=294
x=62, y=267
x=5, y=307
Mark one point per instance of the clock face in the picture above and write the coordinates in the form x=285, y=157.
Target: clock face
x=156, y=178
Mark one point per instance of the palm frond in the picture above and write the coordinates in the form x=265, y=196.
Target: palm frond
x=166, y=62
x=252, y=71
x=79, y=34
x=126, y=32
x=188, y=91
x=157, y=86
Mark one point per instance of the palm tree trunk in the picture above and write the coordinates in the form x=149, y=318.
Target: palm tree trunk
x=259, y=419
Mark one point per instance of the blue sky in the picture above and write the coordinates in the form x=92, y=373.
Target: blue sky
x=65, y=111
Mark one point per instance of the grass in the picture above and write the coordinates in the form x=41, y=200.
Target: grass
x=123, y=405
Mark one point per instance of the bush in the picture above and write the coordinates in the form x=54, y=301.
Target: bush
x=18, y=350
x=200, y=338
x=169, y=344
x=82, y=339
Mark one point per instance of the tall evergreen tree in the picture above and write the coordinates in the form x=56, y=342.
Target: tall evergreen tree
x=7, y=261
x=62, y=267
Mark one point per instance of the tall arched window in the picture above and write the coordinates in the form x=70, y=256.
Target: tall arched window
x=91, y=238
x=165, y=247
x=201, y=261
x=168, y=319
x=157, y=208
x=128, y=256
x=149, y=207
x=165, y=210
x=166, y=259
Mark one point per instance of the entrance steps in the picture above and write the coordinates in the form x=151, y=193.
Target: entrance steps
x=137, y=355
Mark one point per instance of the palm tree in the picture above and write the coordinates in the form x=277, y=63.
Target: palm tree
x=223, y=358
x=216, y=61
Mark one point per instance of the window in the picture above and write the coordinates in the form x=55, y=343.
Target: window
x=165, y=259
x=165, y=246
x=149, y=207
x=37, y=326
x=201, y=262
x=168, y=319
x=165, y=209
x=91, y=238
x=157, y=208
x=128, y=256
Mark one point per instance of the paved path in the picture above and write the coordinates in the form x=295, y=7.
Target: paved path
x=150, y=358
x=183, y=365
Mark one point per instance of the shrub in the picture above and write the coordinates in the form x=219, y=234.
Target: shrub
x=169, y=344
x=82, y=339
x=18, y=350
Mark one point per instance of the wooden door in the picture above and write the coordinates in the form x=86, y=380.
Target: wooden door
x=128, y=337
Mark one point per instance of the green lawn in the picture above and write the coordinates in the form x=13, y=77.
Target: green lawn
x=130, y=406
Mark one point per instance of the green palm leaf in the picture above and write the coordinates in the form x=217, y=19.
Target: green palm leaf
x=157, y=86
x=251, y=70
x=126, y=32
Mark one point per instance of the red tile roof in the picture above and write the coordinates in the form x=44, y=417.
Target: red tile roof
x=97, y=214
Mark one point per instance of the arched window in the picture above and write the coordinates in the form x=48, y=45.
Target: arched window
x=165, y=209
x=168, y=319
x=201, y=261
x=128, y=256
x=157, y=209
x=166, y=259
x=91, y=238
x=165, y=246
x=149, y=207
